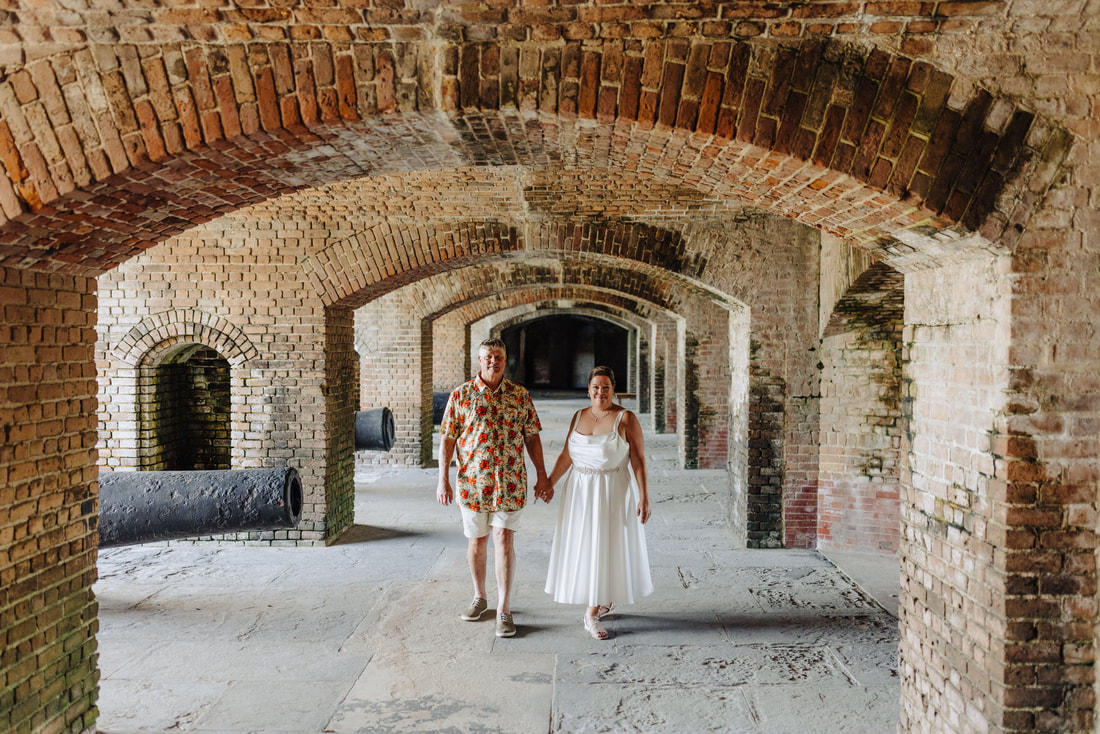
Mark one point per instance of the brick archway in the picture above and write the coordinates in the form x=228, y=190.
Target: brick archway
x=129, y=388
x=151, y=140
x=820, y=131
x=406, y=316
x=161, y=330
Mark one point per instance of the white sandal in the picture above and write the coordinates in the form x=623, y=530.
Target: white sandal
x=592, y=624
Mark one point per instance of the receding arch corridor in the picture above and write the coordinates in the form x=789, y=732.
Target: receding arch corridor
x=364, y=635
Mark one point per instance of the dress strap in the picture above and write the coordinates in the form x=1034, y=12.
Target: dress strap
x=618, y=420
x=573, y=424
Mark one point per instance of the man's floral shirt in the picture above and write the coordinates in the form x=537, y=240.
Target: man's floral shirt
x=490, y=429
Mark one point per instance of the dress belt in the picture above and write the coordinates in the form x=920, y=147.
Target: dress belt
x=593, y=470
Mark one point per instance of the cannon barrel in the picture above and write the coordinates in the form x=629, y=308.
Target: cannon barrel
x=439, y=405
x=374, y=429
x=146, y=506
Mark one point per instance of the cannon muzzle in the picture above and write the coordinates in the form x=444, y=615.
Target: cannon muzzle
x=146, y=506
x=374, y=429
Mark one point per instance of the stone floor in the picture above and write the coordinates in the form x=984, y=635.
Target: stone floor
x=364, y=636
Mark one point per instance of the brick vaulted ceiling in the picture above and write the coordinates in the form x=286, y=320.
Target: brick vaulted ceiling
x=123, y=124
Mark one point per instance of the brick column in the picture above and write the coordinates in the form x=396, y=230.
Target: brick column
x=705, y=386
x=665, y=344
x=48, y=506
x=450, y=336
x=998, y=595
x=737, y=454
x=341, y=400
x=645, y=377
x=390, y=339
x=632, y=362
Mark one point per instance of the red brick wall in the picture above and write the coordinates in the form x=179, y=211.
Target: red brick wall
x=1045, y=446
x=48, y=507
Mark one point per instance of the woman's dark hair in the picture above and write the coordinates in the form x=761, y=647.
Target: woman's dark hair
x=602, y=370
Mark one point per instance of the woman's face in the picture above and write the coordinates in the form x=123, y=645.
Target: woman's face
x=600, y=392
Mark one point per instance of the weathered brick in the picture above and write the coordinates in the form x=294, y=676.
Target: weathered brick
x=747, y=122
x=590, y=85
x=671, y=84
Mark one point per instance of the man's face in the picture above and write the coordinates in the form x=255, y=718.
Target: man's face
x=492, y=364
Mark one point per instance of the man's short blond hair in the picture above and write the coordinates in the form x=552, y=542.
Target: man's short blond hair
x=492, y=343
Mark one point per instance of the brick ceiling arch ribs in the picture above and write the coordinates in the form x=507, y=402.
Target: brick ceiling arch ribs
x=528, y=303
x=621, y=318
x=110, y=149
x=433, y=293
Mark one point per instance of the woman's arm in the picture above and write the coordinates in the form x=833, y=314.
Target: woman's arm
x=633, y=429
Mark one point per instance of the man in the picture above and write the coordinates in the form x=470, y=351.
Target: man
x=490, y=420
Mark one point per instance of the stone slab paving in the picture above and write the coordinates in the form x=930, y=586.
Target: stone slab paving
x=364, y=636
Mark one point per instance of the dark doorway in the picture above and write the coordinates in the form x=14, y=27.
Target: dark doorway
x=557, y=352
x=188, y=417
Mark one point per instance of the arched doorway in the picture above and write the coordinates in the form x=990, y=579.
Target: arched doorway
x=185, y=415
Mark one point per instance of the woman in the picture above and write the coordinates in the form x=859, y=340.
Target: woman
x=599, y=553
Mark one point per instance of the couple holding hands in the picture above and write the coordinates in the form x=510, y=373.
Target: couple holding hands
x=599, y=555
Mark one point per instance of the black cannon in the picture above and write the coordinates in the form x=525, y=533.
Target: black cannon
x=374, y=429
x=439, y=404
x=146, y=506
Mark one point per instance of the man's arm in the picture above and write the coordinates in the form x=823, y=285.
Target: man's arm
x=444, y=495
x=543, y=489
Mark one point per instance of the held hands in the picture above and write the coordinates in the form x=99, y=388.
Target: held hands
x=544, y=490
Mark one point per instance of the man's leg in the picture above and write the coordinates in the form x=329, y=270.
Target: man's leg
x=505, y=559
x=476, y=554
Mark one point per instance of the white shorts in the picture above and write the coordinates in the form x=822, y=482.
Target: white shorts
x=476, y=524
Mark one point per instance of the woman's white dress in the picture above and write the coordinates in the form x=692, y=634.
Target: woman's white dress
x=599, y=553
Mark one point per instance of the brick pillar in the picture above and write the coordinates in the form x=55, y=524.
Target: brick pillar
x=705, y=380
x=645, y=378
x=656, y=380
x=675, y=385
x=341, y=401
x=48, y=507
x=427, y=369
x=665, y=349
x=450, y=336
x=632, y=362
x=469, y=369
x=766, y=420
x=389, y=335
x=737, y=454
x=971, y=588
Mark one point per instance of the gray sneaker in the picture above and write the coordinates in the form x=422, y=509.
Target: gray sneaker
x=505, y=626
x=475, y=610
